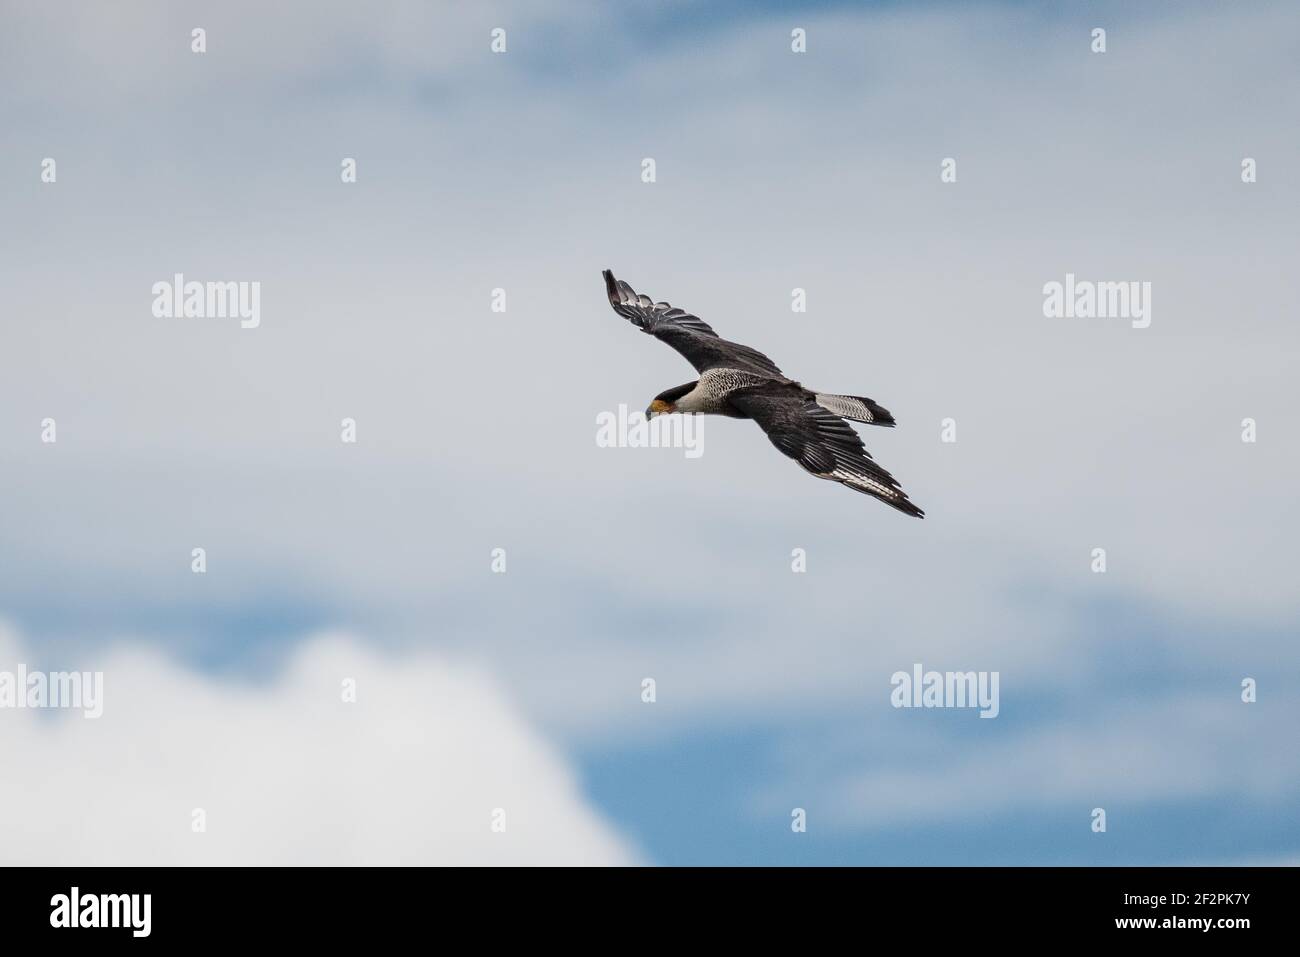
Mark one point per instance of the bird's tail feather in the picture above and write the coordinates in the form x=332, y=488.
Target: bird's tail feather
x=855, y=408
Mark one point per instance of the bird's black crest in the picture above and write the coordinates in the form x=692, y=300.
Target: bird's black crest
x=676, y=392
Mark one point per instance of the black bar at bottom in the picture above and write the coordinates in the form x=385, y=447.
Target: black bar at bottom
x=335, y=906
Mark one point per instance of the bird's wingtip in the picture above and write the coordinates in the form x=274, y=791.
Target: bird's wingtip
x=611, y=285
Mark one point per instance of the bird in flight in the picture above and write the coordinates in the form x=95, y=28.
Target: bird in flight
x=742, y=383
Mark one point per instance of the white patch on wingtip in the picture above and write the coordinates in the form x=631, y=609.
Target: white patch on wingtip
x=859, y=481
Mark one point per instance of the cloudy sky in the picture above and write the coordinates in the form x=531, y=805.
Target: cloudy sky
x=522, y=691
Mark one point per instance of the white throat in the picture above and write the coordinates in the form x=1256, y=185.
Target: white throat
x=697, y=400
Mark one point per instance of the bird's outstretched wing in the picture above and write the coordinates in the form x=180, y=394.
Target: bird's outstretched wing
x=690, y=335
x=821, y=442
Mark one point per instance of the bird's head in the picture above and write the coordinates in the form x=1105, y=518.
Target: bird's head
x=666, y=402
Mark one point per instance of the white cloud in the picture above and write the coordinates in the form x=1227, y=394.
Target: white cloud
x=289, y=774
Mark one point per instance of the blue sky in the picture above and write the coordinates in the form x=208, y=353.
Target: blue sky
x=775, y=170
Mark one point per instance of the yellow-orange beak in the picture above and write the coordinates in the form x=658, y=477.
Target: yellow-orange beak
x=658, y=407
